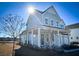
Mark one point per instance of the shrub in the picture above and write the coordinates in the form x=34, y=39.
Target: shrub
x=71, y=46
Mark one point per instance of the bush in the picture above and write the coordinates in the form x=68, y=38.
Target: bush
x=67, y=47
x=74, y=43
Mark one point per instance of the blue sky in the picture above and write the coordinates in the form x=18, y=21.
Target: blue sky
x=69, y=12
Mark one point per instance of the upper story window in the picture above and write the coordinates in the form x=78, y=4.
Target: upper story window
x=51, y=22
x=62, y=26
x=57, y=24
x=71, y=37
x=46, y=21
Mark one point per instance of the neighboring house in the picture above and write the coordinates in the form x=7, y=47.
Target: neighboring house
x=74, y=32
x=45, y=29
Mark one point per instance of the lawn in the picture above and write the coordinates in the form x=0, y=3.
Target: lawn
x=6, y=48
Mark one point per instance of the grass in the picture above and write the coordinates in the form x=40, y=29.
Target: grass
x=6, y=48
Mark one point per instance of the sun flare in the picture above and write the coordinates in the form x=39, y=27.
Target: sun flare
x=31, y=9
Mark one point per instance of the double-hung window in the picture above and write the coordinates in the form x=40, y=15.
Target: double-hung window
x=46, y=21
x=52, y=22
x=61, y=26
x=57, y=24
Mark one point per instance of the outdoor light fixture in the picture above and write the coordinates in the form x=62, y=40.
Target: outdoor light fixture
x=31, y=10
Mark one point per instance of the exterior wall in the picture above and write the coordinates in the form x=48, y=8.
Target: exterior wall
x=56, y=40
x=60, y=39
x=74, y=34
x=51, y=15
x=36, y=21
x=33, y=37
x=33, y=22
x=35, y=40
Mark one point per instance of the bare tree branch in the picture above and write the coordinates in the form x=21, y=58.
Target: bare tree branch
x=12, y=25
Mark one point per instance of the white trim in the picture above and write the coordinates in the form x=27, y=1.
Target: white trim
x=32, y=37
x=39, y=37
x=27, y=37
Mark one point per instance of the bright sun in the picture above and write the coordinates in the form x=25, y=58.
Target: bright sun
x=31, y=9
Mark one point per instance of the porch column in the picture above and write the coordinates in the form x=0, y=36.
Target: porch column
x=27, y=38
x=58, y=33
x=58, y=38
x=39, y=37
x=68, y=39
x=32, y=37
x=50, y=38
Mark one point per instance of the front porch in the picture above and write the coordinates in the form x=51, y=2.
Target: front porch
x=47, y=37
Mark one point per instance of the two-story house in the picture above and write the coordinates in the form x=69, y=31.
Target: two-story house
x=45, y=29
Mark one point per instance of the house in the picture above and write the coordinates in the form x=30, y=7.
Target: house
x=74, y=32
x=45, y=29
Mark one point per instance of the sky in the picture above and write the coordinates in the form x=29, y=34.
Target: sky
x=68, y=11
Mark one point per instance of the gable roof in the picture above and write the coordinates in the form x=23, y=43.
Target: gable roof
x=41, y=12
x=49, y=8
x=72, y=26
x=45, y=10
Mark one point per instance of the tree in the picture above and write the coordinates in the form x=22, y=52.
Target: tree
x=12, y=25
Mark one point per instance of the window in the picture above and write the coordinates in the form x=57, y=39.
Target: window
x=46, y=21
x=71, y=37
x=57, y=24
x=77, y=37
x=61, y=26
x=51, y=22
